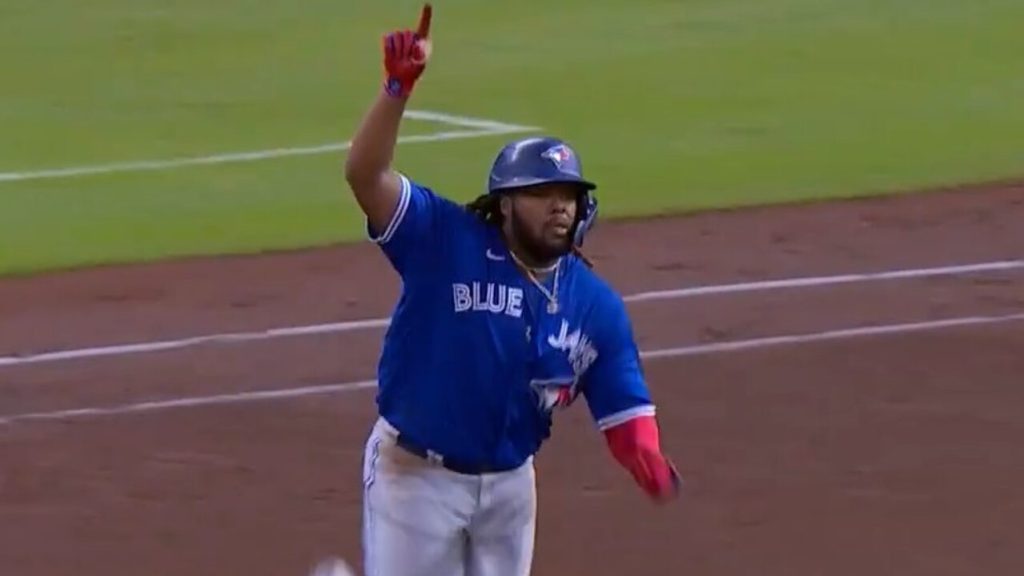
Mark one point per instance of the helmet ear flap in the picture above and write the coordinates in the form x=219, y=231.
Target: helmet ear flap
x=586, y=218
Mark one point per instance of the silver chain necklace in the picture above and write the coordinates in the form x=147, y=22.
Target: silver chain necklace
x=531, y=273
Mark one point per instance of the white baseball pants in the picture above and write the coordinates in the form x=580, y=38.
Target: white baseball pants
x=420, y=519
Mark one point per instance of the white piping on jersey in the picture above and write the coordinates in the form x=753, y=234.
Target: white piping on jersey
x=613, y=420
x=400, y=210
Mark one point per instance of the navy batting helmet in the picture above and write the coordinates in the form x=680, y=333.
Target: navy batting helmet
x=542, y=160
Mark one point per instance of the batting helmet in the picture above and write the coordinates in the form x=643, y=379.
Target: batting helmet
x=542, y=160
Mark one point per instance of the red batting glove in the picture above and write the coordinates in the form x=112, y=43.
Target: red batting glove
x=405, y=56
x=635, y=444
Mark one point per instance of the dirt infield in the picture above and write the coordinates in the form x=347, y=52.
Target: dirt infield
x=886, y=454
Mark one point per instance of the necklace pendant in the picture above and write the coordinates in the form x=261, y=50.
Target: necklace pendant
x=552, y=307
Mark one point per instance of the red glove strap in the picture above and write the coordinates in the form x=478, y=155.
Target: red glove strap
x=635, y=444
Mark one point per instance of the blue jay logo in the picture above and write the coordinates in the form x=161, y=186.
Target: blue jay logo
x=562, y=157
x=554, y=393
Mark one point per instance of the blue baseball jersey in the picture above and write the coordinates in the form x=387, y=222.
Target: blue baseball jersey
x=474, y=364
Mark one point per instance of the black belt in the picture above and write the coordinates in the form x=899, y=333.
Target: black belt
x=457, y=466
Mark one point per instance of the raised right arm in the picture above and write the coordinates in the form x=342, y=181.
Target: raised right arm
x=376, y=186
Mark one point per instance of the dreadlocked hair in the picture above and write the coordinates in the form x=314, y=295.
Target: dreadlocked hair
x=487, y=208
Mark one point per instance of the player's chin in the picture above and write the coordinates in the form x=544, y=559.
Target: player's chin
x=557, y=249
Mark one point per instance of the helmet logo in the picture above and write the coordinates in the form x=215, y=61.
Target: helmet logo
x=562, y=157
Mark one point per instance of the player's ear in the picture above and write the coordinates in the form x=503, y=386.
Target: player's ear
x=505, y=206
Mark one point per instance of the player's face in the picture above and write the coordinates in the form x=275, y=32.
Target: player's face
x=541, y=219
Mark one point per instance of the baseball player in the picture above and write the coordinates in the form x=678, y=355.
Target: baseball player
x=500, y=323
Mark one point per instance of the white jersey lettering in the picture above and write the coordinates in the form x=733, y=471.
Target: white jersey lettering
x=488, y=297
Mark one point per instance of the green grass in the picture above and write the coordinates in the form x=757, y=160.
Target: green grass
x=673, y=105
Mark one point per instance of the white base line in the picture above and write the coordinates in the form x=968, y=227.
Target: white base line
x=814, y=281
x=694, y=350
x=356, y=325
x=473, y=128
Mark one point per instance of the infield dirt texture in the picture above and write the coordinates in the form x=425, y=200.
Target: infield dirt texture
x=889, y=454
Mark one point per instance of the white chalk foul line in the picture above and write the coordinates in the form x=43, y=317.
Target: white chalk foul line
x=838, y=334
x=682, y=351
x=192, y=402
x=143, y=347
x=467, y=121
x=356, y=325
x=471, y=128
x=814, y=281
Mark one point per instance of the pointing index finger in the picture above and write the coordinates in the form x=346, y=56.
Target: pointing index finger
x=423, y=31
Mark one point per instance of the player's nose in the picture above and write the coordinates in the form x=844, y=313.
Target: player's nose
x=560, y=211
x=562, y=202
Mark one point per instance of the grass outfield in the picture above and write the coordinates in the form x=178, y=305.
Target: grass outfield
x=673, y=105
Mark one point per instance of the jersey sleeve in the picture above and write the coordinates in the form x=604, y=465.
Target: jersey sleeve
x=615, y=388
x=416, y=228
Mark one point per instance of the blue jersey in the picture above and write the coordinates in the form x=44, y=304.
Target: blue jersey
x=474, y=363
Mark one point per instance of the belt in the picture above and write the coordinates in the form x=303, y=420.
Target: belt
x=457, y=466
